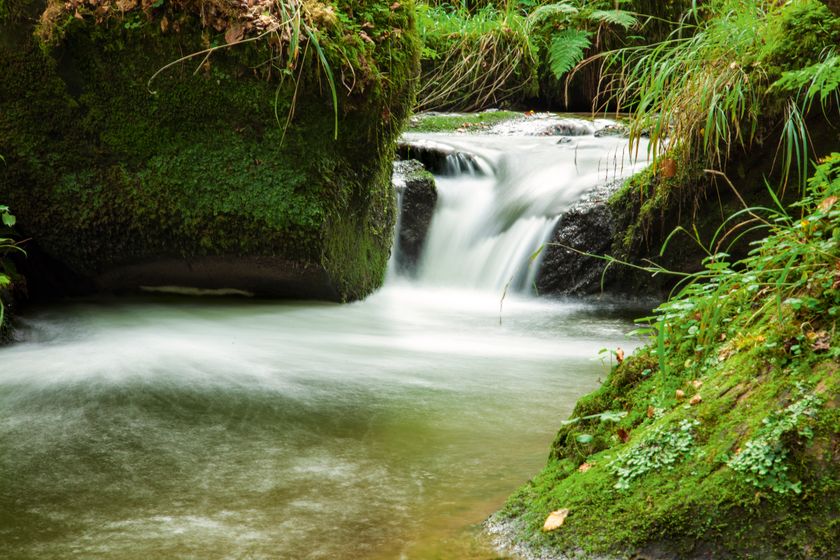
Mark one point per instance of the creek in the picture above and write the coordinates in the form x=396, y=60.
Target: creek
x=168, y=427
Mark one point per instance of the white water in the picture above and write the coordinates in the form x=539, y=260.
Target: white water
x=490, y=221
x=210, y=429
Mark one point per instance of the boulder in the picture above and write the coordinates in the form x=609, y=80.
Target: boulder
x=235, y=169
x=418, y=197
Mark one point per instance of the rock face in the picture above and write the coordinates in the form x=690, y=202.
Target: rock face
x=195, y=179
x=565, y=271
x=418, y=198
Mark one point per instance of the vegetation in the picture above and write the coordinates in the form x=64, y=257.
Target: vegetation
x=730, y=415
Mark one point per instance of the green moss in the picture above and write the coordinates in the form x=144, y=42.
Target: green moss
x=103, y=172
x=469, y=122
x=757, y=476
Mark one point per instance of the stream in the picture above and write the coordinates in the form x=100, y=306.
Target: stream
x=170, y=427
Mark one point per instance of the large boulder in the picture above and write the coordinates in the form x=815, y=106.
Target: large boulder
x=240, y=168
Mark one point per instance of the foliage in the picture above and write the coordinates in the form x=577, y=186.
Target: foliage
x=721, y=432
x=763, y=459
x=7, y=245
x=661, y=448
x=473, y=61
x=708, y=86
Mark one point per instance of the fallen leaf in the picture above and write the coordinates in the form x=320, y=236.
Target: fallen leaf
x=696, y=399
x=164, y=24
x=619, y=355
x=650, y=412
x=395, y=6
x=680, y=393
x=822, y=342
x=234, y=34
x=585, y=467
x=126, y=5
x=623, y=435
x=668, y=168
x=697, y=383
x=826, y=204
x=555, y=520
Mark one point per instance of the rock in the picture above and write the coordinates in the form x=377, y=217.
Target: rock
x=613, y=130
x=441, y=159
x=195, y=184
x=565, y=271
x=569, y=127
x=418, y=197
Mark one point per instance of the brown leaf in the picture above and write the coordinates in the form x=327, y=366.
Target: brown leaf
x=126, y=5
x=585, y=467
x=619, y=355
x=366, y=37
x=826, y=204
x=234, y=34
x=555, y=520
x=680, y=394
x=623, y=435
x=164, y=24
x=696, y=399
x=822, y=342
x=667, y=168
x=697, y=383
x=395, y=6
x=650, y=412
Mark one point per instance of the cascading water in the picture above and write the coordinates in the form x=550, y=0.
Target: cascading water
x=499, y=205
x=223, y=428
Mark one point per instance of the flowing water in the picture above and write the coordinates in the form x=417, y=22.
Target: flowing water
x=194, y=428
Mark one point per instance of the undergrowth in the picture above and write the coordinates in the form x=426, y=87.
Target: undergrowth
x=726, y=431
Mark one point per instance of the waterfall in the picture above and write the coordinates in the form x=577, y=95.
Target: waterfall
x=500, y=197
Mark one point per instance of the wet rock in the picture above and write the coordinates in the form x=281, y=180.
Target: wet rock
x=613, y=131
x=565, y=271
x=569, y=128
x=418, y=197
x=441, y=159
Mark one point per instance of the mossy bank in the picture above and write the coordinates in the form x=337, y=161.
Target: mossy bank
x=233, y=169
x=721, y=438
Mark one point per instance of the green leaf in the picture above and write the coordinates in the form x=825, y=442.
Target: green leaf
x=8, y=219
x=615, y=17
x=566, y=50
x=584, y=438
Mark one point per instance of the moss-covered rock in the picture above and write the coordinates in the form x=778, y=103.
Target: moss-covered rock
x=222, y=172
x=720, y=439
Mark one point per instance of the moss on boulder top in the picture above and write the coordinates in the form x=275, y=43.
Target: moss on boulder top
x=236, y=168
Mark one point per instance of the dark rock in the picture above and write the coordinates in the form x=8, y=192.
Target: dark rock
x=569, y=128
x=441, y=159
x=613, y=130
x=418, y=197
x=565, y=271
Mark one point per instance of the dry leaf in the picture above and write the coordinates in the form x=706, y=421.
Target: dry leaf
x=585, y=467
x=164, y=24
x=234, y=34
x=650, y=412
x=668, y=168
x=623, y=435
x=697, y=383
x=822, y=342
x=555, y=520
x=826, y=204
x=680, y=394
x=696, y=399
x=619, y=355
x=126, y=5
x=395, y=6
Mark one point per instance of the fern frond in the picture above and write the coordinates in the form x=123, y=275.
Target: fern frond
x=566, y=50
x=551, y=11
x=818, y=81
x=614, y=17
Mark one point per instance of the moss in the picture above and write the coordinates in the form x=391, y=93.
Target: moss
x=103, y=172
x=470, y=122
x=747, y=365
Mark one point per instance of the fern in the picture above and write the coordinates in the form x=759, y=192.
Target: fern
x=562, y=10
x=566, y=50
x=821, y=80
x=614, y=17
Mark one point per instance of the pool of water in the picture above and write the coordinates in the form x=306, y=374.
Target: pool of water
x=194, y=428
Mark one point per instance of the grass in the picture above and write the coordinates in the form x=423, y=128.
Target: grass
x=471, y=122
x=725, y=431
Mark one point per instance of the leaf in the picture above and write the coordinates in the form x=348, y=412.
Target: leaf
x=8, y=219
x=615, y=17
x=623, y=435
x=555, y=520
x=566, y=50
x=552, y=11
x=584, y=438
x=234, y=34
x=585, y=467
